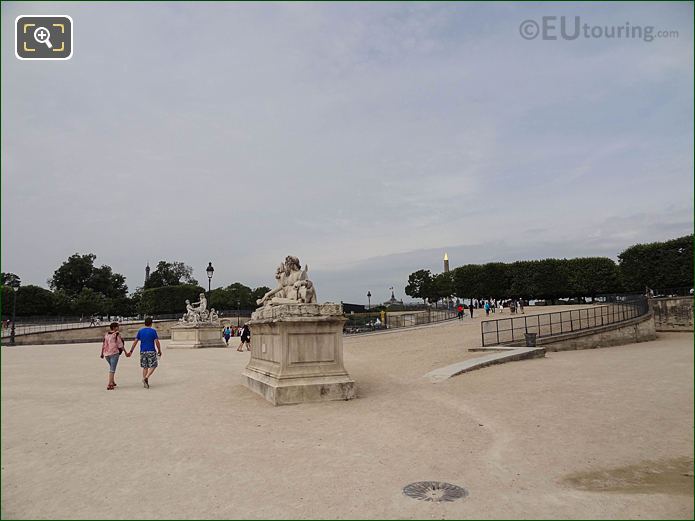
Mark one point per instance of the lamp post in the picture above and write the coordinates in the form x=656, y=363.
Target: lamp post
x=210, y=271
x=238, y=303
x=369, y=300
x=14, y=311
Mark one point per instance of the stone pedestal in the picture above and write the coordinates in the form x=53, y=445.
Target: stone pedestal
x=297, y=354
x=195, y=337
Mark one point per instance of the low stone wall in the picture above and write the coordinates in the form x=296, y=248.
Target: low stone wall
x=88, y=334
x=640, y=329
x=673, y=313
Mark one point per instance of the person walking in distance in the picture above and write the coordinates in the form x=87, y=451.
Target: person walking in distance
x=459, y=310
x=245, y=338
x=111, y=349
x=227, y=333
x=148, y=339
x=470, y=308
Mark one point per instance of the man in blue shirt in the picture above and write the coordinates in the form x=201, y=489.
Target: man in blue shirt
x=147, y=336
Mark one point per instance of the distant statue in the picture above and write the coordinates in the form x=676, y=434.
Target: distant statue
x=202, y=304
x=293, y=285
x=196, y=315
x=191, y=316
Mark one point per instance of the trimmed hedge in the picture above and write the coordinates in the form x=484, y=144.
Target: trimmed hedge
x=168, y=299
x=537, y=279
x=659, y=265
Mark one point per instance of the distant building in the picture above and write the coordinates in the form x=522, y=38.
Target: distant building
x=147, y=272
x=446, y=263
x=353, y=308
x=393, y=301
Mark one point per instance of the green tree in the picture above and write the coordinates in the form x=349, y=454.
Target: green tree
x=63, y=303
x=442, y=287
x=591, y=276
x=232, y=296
x=89, y=302
x=420, y=285
x=108, y=283
x=468, y=281
x=78, y=272
x=257, y=294
x=34, y=300
x=659, y=265
x=168, y=299
x=7, y=296
x=74, y=274
x=494, y=280
x=523, y=280
x=121, y=306
x=9, y=279
x=170, y=274
x=550, y=279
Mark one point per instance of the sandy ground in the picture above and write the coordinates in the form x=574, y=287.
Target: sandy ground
x=604, y=433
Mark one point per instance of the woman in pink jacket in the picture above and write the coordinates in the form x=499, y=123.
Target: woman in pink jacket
x=111, y=349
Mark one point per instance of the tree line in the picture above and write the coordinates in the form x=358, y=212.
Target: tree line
x=80, y=288
x=660, y=265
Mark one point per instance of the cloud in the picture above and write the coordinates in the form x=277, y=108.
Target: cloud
x=341, y=133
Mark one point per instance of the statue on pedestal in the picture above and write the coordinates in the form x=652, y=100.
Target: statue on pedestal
x=297, y=346
x=293, y=285
x=200, y=314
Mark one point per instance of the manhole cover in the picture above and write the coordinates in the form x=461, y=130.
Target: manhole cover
x=434, y=491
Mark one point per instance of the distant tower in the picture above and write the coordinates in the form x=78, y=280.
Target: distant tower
x=147, y=272
x=446, y=263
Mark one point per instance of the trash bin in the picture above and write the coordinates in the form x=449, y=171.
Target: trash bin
x=530, y=339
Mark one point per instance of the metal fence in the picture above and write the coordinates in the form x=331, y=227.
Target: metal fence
x=367, y=322
x=509, y=330
x=27, y=326
x=686, y=291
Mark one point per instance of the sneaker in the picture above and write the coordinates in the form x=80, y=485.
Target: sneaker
x=145, y=383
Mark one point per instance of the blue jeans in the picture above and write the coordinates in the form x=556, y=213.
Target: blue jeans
x=113, y=362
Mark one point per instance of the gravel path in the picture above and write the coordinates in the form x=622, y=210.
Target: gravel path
x=546, y=438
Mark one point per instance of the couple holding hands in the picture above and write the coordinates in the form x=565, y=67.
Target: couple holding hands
x=114, y=345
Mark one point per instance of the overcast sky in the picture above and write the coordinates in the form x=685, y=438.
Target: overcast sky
x=367, y=139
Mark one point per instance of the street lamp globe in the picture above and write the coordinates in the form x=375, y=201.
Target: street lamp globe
x=210, y=270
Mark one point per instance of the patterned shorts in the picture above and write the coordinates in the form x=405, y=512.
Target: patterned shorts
x=148, y=359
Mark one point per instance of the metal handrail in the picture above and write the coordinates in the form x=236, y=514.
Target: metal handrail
x=510, y=330
x=364, y=322
x=30, y=327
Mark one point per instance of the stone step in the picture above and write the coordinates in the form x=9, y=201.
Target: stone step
x=520, y=353
x=494, y=349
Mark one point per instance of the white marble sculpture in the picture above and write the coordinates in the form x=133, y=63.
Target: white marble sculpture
x=297, y=343
x=199, y=315
x=293, y=285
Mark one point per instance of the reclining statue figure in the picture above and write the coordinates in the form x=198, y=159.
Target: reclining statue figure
x=293, y=285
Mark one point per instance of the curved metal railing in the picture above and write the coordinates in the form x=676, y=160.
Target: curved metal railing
x=509, y=330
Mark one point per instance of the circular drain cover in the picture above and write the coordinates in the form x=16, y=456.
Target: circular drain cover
x=434, y=491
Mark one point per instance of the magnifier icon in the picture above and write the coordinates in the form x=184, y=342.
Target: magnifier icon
x=43, y=35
